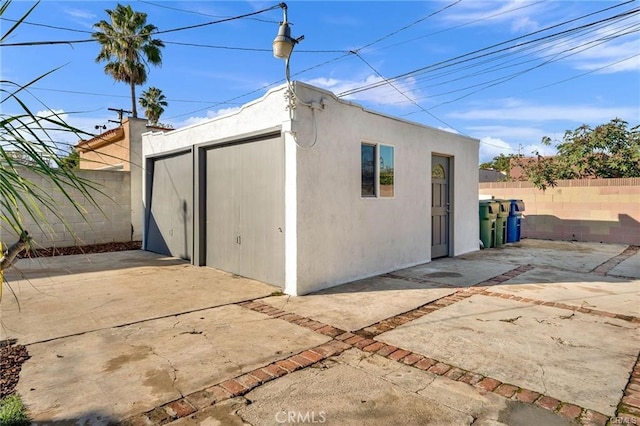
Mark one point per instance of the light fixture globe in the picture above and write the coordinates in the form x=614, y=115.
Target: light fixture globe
x=283, y=43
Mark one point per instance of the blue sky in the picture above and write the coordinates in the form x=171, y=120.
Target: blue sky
x=524, y=81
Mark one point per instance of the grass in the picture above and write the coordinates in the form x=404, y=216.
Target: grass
x=13, y=412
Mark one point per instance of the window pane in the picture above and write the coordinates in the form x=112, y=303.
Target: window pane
x=386, y=171
x=368, y=155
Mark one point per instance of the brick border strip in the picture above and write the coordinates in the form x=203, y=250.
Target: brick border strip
x=499, y=279
x=629, y=407
x=363, y=340
x=606, y=267
x=574, y=308
x=237, y=386
x=403, y=318
x=486, y=384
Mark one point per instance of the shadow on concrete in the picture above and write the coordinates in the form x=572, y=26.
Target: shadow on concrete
x=31, y=268
x=93, y=418
x=626, y=230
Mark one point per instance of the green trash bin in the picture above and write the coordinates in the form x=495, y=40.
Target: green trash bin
x=488, y=215
x=504, y=207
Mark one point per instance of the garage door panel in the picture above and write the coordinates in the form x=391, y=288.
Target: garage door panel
x=170, y=220
x=245, y=209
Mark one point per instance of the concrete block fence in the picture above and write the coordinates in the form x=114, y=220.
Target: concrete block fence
x=590, y=210
x=111, y=222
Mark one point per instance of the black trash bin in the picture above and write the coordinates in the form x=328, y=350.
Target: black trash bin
x=514, y=221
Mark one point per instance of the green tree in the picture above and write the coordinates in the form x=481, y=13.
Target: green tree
x=153, y=101
x=72, y=160
x=610, y=150
x=127, y=46
x=501, y=163
x=26, y=144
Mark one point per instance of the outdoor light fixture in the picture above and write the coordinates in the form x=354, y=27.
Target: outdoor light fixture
x=283, y=43
x=282, y=48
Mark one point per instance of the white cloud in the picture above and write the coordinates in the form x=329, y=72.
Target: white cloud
x=383, y=95
x=540, y=113
x=618, y=54
x=516, y=13
x=81, y=14
x=518, y=134
x=491, y=147
x=208, y=116
x=83, y=18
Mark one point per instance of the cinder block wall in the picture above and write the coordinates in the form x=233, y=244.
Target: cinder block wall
x=594, y=210
x=109, y=223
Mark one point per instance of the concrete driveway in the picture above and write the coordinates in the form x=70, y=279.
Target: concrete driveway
x=533, y=333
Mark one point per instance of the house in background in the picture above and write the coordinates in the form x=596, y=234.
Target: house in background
x=309, y=191
x=120, y=149
x=491, y=175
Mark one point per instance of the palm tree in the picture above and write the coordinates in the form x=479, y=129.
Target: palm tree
x=127, y=46
x=153, y=102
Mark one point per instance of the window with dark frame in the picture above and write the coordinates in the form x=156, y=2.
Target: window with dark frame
x=377, y=171
x=368, y=164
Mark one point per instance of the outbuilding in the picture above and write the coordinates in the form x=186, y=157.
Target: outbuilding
x=306, y=191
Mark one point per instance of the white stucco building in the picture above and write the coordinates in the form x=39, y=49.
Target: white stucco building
x=306, y=199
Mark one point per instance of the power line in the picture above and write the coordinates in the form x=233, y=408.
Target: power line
x=189, y=27
x=584, y=73
x=404, y=94
x=251, y=49
x=460, y=59
x=345, y=55
x=554, y=57
x=484, y=18
x=201, y=13
x=391, y=34
x=37, y=24
x=75, y=92
x=44, y=43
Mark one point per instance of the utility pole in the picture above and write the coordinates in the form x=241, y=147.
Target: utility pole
x=120, y=113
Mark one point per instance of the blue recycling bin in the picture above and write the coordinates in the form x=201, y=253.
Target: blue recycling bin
x=514, y=221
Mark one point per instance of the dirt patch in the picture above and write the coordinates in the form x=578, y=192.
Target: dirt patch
x=87, y=249
x=11, y=358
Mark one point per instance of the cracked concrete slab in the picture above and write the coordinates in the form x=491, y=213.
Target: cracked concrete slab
x=358, y=388
x=572, y=256
x=628, y=268
x=581, y=359
x=457, y=272
x=586, y=290
x=361, y=303
x=66, y=295
x=128, y=370
x=343, y=395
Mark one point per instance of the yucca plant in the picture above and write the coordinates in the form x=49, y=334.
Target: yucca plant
x=27, y=143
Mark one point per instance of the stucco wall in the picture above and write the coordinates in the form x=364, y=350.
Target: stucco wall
x=594, y=210
x=332, y=234
x=112, y=224
x=134, y=131
x=342, y=236
x=261, y=114
x=114, y=155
